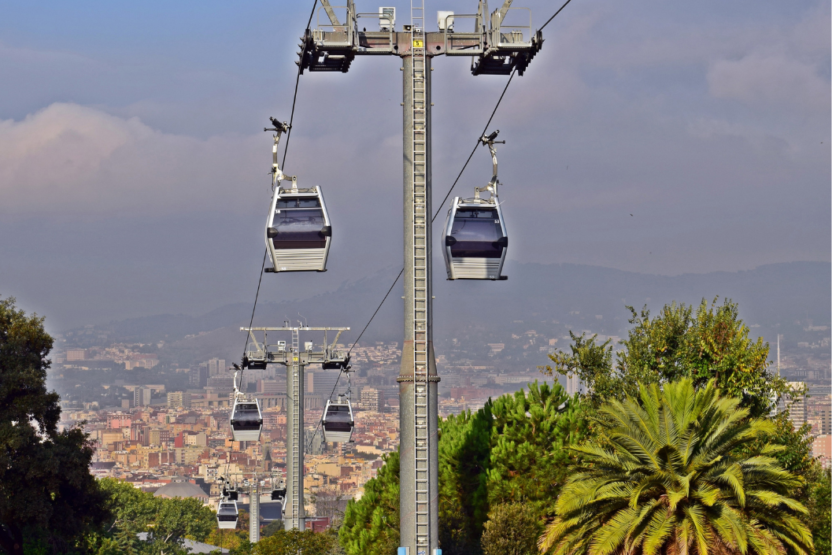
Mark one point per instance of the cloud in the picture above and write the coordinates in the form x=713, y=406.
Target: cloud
x=775, y=80
x=72, y=160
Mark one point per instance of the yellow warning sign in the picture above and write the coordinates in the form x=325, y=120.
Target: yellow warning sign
x=418, y=43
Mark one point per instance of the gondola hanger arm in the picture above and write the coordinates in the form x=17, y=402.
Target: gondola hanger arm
x=278, y=129
x=490, y=141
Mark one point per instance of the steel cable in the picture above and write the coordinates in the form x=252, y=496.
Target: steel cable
x=285, y=151
x=444, y=200
x=493, y=112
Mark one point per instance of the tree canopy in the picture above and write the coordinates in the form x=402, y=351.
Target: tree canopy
x=510, y=451
x=289, y=542
x=711, y=343
x=164, y=523
x=666, y=475
x=371, y=524
x=48, y=499
x=512, y=529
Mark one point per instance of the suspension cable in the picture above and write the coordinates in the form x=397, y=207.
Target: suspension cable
x=444, y=200
x=253, y=308
x=438, y=210
x=485, y=129
x=376, y=311
x=553, y=17
x=285, y=151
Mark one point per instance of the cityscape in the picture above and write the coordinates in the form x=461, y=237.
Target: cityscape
x=538, y=279
x=155, y=432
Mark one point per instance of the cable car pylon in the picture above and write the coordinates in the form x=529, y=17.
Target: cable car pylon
x=496, y=49
x=295, y=357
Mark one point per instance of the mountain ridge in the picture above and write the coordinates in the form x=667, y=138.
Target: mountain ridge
x=774, y=298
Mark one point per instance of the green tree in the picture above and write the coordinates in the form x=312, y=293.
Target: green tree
x=464, y=455
x=511, y=450
x=371, y=524
x=512, y=529
x=47, y=496
x=818, y=501
x=167, y=522
x=291, y=542
x=711, y=344
x=796, y=455
x=272, y=528
x=529, y=438
x=665, y=477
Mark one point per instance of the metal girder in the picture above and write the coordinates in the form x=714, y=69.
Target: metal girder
x=330, y=13
x=322, y=50
x=502, y=11
x=502, y=59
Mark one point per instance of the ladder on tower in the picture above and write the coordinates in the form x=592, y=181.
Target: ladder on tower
x=296, y=427
x=420, y=292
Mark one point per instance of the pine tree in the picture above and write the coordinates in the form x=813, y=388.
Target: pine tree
x=529, y=436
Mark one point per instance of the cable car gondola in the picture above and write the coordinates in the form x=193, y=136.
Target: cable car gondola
x=254, y=360
x=246, y=420
x=338, y=422
x=227, y=515
x=298, y=230
x=475, y=238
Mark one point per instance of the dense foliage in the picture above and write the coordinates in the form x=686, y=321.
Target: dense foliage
x=294, y=541
x=163, y=523
x=371, y=524
x=817, y=496
x=510, y=451
x=664, y=477
x=48, y=499
x=516, y=453
x=512, y=529
x=464, y=458
x=711, y=344
x=530, y=434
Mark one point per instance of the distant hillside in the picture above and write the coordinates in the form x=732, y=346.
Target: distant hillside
x=784, y=298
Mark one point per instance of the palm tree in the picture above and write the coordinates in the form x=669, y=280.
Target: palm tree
x=667, y=478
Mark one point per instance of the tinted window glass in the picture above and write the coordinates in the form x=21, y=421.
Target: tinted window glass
x=246, y=416
x=299, y=228
x=337, y=413
x=476, y=231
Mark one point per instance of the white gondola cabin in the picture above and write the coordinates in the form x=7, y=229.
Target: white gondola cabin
x=298, y=230
x=227, y=515
x=338, y=422
x=246, y=420
x=475, y=240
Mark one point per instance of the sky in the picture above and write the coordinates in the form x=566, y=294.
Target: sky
x=650, y=136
